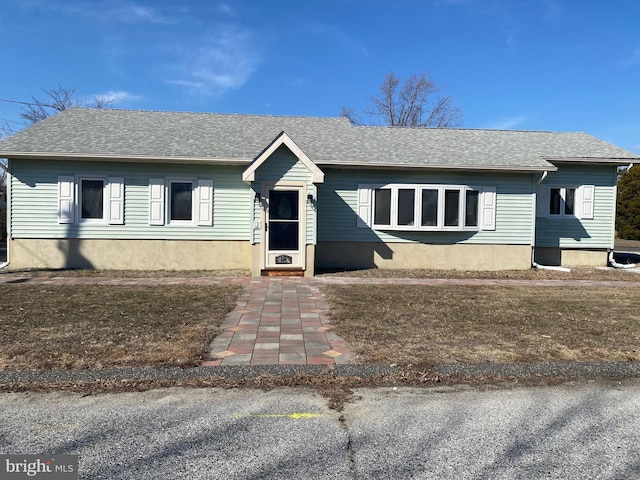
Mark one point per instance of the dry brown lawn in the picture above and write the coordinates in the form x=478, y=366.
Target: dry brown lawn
x=435, y=325
x=595, y=274
x=90, y=326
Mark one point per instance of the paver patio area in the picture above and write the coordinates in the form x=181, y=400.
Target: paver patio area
x=279, y=321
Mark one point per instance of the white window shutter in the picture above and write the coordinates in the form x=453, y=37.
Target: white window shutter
x=586, y=201
x=156, y=201
x=488, y=209
x=364, y=206
x=66, y=199
x=116, y=201
x=542, y=201
x=205, y=202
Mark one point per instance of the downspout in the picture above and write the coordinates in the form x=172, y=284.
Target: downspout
x=8, y=201
x=548, y=267
x=611, y=260
x=615, y=264
x=544, y=175
x=533, y=250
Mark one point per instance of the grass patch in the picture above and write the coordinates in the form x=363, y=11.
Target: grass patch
x=435, y=325
x=91, y=326
x=98, y=273
x=594, y=274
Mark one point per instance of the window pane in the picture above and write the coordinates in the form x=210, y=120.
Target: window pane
x=554, y=201
x=92, y=199
x=283, y=235
x=471, y=208
x=181, y=200
x=406, y=206
x=451, y=208
x=382, y=214
x=429, y=208
x=283, y=205
x=569, y=201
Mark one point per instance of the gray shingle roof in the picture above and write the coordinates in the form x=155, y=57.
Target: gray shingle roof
x=326, y=141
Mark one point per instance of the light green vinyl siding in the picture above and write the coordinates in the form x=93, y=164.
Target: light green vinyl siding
x=570, y=232
x=338, y=199
x=34, y=201
x=284, y=166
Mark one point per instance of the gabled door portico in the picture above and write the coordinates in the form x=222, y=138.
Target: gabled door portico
x=284, y=221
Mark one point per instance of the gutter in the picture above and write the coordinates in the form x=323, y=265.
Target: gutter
x=125, y=158
x=387, y=166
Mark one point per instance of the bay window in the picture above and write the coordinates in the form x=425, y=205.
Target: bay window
x=426, y=207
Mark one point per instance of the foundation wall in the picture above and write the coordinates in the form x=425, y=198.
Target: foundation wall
x=355, y=255
x=554, y=256
x=130, y=254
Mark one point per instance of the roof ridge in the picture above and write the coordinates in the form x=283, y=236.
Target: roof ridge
x=471, y=129
x=182, y=112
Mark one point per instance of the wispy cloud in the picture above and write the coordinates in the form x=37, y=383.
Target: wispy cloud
x=633, y=59
x=111, y=11
x=553, y=12
x=296, y=82
x=129, y=12
x=347, y=41
x=507, y=123
x=225, y=62
x=113, y=97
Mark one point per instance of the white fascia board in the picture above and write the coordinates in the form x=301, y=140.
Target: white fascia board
x=123, y=158
x=550, y=168
x=249, y=175
x=594, y=160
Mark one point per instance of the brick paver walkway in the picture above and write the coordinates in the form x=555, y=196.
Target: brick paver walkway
x=279, y=321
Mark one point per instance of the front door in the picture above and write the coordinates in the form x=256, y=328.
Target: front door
x=284, y=228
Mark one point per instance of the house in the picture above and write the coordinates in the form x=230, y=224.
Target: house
x=118, y=189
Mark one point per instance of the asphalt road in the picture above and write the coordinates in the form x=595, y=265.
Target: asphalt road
x=587, y=430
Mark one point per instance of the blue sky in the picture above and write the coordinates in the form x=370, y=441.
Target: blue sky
x=562, y=65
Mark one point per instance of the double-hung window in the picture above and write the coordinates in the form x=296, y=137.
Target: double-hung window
x=560, y=201
x=427, y=207
x=180, y=201
x=91, y=200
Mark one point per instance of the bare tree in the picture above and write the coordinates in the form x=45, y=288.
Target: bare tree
x=417, y=102
x=59, y=99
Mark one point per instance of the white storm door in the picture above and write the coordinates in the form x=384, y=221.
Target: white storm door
x=284, y=228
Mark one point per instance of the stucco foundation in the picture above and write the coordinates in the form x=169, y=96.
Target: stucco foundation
x=355, y=255
x=570, y=257
x=130, y=254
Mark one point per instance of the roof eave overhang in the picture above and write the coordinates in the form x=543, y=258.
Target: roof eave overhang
x=593, y=160
x=123, y=158
x=499, y=168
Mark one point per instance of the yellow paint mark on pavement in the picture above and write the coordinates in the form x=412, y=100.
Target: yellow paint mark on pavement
x=295, y=416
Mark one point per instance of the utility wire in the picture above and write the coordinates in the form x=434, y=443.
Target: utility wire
x=19, y=103
x=12, y=121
